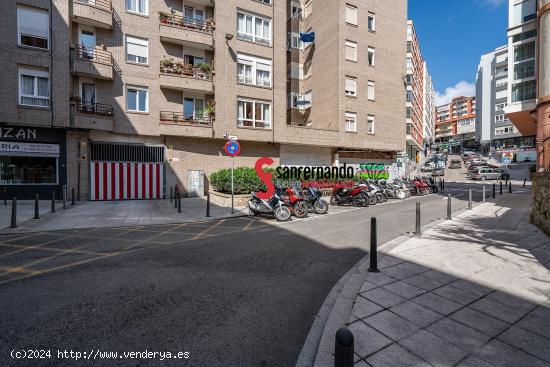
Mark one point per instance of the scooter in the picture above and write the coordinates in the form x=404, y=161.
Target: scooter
x=392, y=190
x=274, y=206
x=295, y=202
x=313, y=199
x=356, y=195
x=377, y=192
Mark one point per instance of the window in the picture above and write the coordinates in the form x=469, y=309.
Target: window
x=137, y=50
x=370, y=124
x=524, y=70
x=408, y=112
x=525, y=35
x=351, y=122
x=194, y=16
x=524, y=91
x=295, y=10
x=370, y=90
x=297, y=71
x=308, y=9
x=351, y=51
x=300, y=101
x=137, y=6
x=254, y=114
x=268, y=2
x=193, y=60
x=371, y=56
x=351, y=14
x=351, y=87
x=409, y=97
x=253, y=28
x=296, y=41
x=371, y=24
x=253, y=70
x=21, y=170
x=33, y=27
x=34, y=87
x=524, y=51
x=137, y=99
x=500, y=118
x=193, y=108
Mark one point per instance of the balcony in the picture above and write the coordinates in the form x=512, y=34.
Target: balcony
x=179, y=124
x=189, y=31
x=94, y=116
x=95, y=13
x=94, y=63
x=181, y=76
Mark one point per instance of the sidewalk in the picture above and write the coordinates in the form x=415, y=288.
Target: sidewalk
x=103, y=214
x=470, y=292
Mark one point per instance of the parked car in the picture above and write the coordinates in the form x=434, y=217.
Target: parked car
x=455, y=163
x=438, y=172
x=487, y=173
x=427, y=167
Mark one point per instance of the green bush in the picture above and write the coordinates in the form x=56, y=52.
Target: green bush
x=245, y=181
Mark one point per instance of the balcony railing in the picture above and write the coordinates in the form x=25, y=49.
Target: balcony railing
x=95, y=109
x=196, y=24
x=178, y=118
x=186, y=70
x=101, y=4
x=93, y=54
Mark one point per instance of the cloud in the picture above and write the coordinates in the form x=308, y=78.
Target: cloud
x=492, y=3
x=462, y=88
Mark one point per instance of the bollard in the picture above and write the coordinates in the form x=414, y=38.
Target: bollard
x=506, y=180
x=343, y=348
x=483, y=193
x=494, y=190
x=443, y=185
x=170, y=194
x=449, y=216
x=72, y=196
x=53, y=201
x=36, y=206
x=524, y=182
x=418, y=231
x=64, y=197
x=13, y=213
x=208, y=205
x=176, y=196
x=179, y=203
x=500, y=187
x=510, y=187
x=470, y=199
x=373, y=256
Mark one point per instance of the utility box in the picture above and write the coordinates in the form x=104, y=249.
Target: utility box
x=195, y=184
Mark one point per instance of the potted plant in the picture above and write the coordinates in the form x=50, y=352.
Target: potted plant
x=167, y=65
x=164, y=17
x=210, y=110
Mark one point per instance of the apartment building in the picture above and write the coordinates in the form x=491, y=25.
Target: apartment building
x=493, y=129
x=529, y=73
x=428, y=109
x=415, y=95
x=456, y=124
x=122, y=99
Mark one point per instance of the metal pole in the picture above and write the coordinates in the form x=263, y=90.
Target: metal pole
x=36, y=206
x=179, y=203
x=524, y=182
x=78, y=182
x=500, y=187
x=232, y=188
x=418, y=231
x=208, y=204
x=343, y=348
x=494, y=190
x=64, y=197
x=176, y=195
x=483, y=193
x=72, y=196
x=470, y=199
x=53, y=201
x=13, y=213
x=171, y=194
x=373, y=256
x=449, y=216
x=443, y=184
x=510, y=187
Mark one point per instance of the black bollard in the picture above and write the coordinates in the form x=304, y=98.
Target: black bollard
x=449, y=216
x=53, y=201
x=208, y=205
x=179, y=203
x=176, y=196
x=470, y=198
x=13, y=213
x=373, y=247
x=418, y=231
x=443, y=185
x=343, y=348
x=170, y=194
x=483, y=193
x=72, y=196
x=524, y=182
x=506, y=181
x=64, y=197
x=510, y=187
x=500, y=187
x=36, y=206
x=494, y=190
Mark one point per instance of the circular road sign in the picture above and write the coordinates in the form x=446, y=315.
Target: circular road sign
x=232, y=148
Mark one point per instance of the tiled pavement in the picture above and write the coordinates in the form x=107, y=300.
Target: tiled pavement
x=471, y=292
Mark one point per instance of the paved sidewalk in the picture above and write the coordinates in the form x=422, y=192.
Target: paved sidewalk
x=103, y=214
x=470, y=292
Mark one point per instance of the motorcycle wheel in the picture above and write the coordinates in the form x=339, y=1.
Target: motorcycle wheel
x=282, y=213
x=333, y=201
x=400, y=194
x=300, y=209
x=435, y=190
x=372, y=200
x=320, y=206
x=385, y=197
x=251, y=213
x=379, y=198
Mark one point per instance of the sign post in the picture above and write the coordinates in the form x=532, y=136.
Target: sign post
x=232, y=148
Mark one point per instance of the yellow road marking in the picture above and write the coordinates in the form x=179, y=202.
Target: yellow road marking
x=52, y=249
x=17, y=269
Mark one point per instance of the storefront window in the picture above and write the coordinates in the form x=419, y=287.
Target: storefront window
x=28, y=170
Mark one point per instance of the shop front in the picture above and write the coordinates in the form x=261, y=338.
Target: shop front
x=32, y=161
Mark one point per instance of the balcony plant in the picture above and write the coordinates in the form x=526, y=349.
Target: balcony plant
x=210, y=110
x=165, y=17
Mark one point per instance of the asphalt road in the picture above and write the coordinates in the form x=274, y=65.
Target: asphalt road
x=237, y=292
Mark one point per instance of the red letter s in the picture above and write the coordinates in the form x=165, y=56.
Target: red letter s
x=265, y=177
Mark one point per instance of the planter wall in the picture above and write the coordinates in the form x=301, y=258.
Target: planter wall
x=218, y=198
x=540, y=216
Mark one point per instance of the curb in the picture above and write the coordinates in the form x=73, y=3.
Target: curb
x=336, y=308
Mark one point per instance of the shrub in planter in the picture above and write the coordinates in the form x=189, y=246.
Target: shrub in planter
x=245, y=181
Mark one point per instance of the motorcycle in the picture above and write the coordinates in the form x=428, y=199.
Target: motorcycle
x=421, y=187
x=377, y=192
x=274, y=206
x=392, y=190
x=356, y=195
x=295, y=202
x=433, y=185
x=313, y=199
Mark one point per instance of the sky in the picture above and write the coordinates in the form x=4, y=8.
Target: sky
x=453, y=35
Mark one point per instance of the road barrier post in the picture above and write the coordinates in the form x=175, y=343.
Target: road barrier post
x=170, y=194
x=470, y=199
x=449, y=217
x=179, y=203
x=483, y=193
x=64, y=197
x=524, y=182
x=208, y=205
x=500, y=187
x=13, y=213
x=176, y=196
x=53, y=201
x=36, y=206
x=343, y=348
x=72, y=196
x=418, y=230
x=443, y=184
x=373, y=256
x=510, y=187
x=494, y=190
x=506, y=180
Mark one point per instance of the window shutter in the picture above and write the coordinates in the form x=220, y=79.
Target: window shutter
x=34, y=22
x=137, y=46
x=350, y=85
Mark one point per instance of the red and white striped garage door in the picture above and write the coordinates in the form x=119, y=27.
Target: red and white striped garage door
x=126, y=181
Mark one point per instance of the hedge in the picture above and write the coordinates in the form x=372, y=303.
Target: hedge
x=245, y=181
